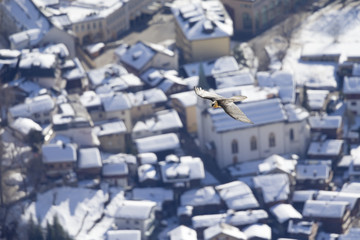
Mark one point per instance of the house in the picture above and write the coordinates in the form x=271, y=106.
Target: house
x=166, y=80
x=351, y=90
x=185, y=105
x=92, y=102
x=73, y=121
x=42, y=68
x=334, y=215
x=123, y=234
x=314, y=174
x=223, y=231
x=200, y=26
x=331, y=126
x=162, y=144
x=90, y=23
x=182, y=232
x=8, y=60
x=162, y=122
x=22, y=127
x=315, y=99
x=116, y=173
x=284, y=212
x=330, y=149
x=238, y=219
x=89, y=163
x=352, y=198
x=237, y=195
x=303, y=230
x=183, y=172
x=112, y=136
x=147, y=158
x=277, y=129
x=272, y=189
x=141, y=56
x=204, y=200
x=135, y=215
x=59, y=158
x=148, y=175
x=34, y=30
x=251, y=18
x=40, y=109
x=75, y=76
x=184, y=214
x=164, y=198
x=299, y=197
x=258, y=231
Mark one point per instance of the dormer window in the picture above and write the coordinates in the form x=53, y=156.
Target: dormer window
x=208, y=26
x=137, y=54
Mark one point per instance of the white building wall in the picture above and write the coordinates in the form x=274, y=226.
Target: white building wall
x=353, y=105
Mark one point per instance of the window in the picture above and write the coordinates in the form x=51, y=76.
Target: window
x=247, y=22
x=94, y=25
x=353, y=103
x=272, y=140
x=253, y=143
x=234, y=147
x=291, y=134
x=235, y=160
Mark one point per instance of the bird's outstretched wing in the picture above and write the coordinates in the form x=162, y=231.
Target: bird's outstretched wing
x=235, y=112
x=206, y=94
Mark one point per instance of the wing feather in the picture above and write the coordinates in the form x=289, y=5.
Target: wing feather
x=206, y=94
x=235, y=112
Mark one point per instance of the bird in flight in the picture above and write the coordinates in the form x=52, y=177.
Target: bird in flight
x=227, y=104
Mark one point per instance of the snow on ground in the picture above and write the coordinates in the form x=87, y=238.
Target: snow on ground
x=330, y=25
x=78, y=210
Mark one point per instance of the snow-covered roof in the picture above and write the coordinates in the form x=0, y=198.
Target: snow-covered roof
x=314, y=49
x=258, y=231
x=248, y=168
x=219, y=67
x=185, y=169
x=27, y=38
x=316, y=98
x=26, y=15
x=137, y=56
x=200, y=197
x=351, y=85
x=225, y=229
x=115, y=102
x=164, y=120
x=37, y=59
x=25, y=125
x=351, y=187
x=303, y=195
x=329, y=147
x=112, y=169
x=117, y=158
x=313, y=171
x=239, y=218
x=133, y=209
x=260, y=112
x=351, y=198
x=149, y=96
x=300, y=227
x=89, y=158
x=155, y=194
x=90, y=99
x=103, y=75
x=274, y=187
x=123, y=235
x=237, y=195
x=202, y=19
x=356, y=69
x=237, y=78
x=277, y=162
x=84, y=10
x=325, y=209
x=147, y=172
x=58, y=49
x=284, y=212
x=352, y=234
x=182, y=232
x=78, y=72
x=168, y=141
x=109, y=128
x=59, y=152
x=325, y=122
x=147, y=158
x=187, y=99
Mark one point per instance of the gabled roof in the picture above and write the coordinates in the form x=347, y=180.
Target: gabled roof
x=202, y=19
x=109, y=128
x=104, y=74
x=200, y=197
x=147, y=172
x=132, y=209
x=258, y=231
x=284, y=212
x=325, y=122
x=224, y=229
x=274, y=187
x=113, y=169
x=25, y=125
x=329, y=147
x=182, y=232
x=325, y=209
x=123, y=235
x=155, y=194
x=163, y=142
x=313, y=171
x=115, y=102
x=38, y=104
x=187, y=99
x=237, y=195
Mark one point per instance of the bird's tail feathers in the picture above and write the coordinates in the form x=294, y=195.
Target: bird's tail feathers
x=237, y=98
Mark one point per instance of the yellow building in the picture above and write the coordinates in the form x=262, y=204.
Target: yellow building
x=203, y=29
x=251, y=17
x=185, y=104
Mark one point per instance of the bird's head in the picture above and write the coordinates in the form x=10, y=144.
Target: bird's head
x=215, y=104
